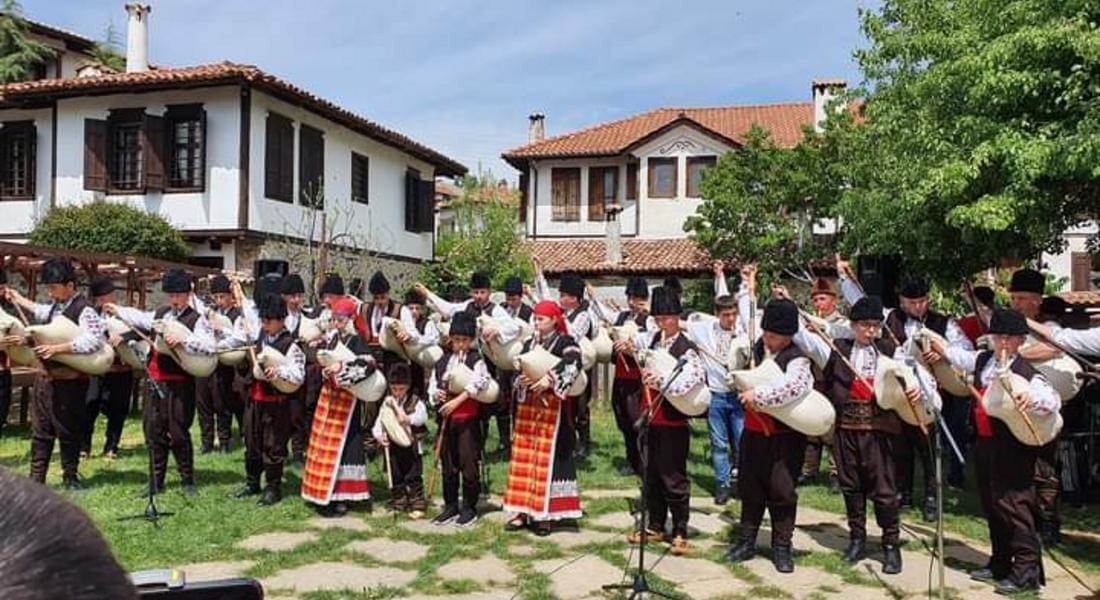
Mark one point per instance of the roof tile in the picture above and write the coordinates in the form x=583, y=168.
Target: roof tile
x=587, y=257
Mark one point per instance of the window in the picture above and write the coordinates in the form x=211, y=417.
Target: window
x=419, y=203
x=695, y=167
x=632, y=181
x=603, y=183
x=662, y=178
x=186, y=130
x=125, y=153
x=17, y=160
x=1084, y=271
x=565, y=194
x=279, y=158
x=524, y=184
x=311, y=167
x=360, y=178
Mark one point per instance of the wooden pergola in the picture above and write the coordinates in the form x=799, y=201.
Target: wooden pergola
x=137, y=272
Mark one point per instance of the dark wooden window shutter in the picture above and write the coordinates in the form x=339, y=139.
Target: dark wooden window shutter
x=360, y=178
x=524, y=183
x=153, y=151
x=17, y=160
x=279, y=158
x=311, y=166
x=412, y=187
x=426, y=206
x=95, y=155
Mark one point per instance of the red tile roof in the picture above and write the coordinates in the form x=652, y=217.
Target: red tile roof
x=641, y=257
x=218, y=74
x=1083, y=298
x=730, y=123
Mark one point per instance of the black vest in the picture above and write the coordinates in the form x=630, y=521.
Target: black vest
x=409, y=406
x=393, y=310
x=476, y=311
x=933, y=320
x=523, y=313
x=282, y=343
x=864, y=416
x=166, y=364
x=677, y=349
x=440, y=368
x=639, y=319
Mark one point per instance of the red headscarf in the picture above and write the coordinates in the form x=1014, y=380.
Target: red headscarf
x=344, y=307
x=549, y=308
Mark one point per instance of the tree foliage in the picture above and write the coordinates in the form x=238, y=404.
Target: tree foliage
x=112, y=228
x=20, y=54
x=109, y=50
x=487, y=237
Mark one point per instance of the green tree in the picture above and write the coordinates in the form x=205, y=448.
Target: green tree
x=108, y=51
x=20, y=54
x=110, y=227
x=487, y=237
x=981, y=137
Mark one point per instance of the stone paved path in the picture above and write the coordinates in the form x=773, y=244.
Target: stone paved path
x=332, y=576
x=278, y=541
x=488, y=571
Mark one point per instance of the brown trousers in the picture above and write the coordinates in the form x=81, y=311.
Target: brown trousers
x=816, y=447
x=668, y=491
x=58, y=411
x=1048, y=485
x=167, y=423
x=461, y=465
x=407, y=472
x=865, y=471
x=1004, y=469
x=266, y=430
x=768, y=468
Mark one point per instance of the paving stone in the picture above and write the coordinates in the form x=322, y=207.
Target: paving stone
x=489, y=595
x=682, y=569
x=210, y=571
x=570, y=538
x=345, y=522
x=710, y=524
x=804, y=581
x=914, y=574
x=618, y=520
x=278, y=541
x=488, y=570
x=426, y=527
x=522, y=550
x=389, y=550
x=580, y=578
x=627, y=492
x=333, y=576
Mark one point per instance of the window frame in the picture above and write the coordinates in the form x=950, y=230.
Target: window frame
x=277, y=159
x=11, y=131
x=694, y=161
x=173, y=116
x=564, y=213
x=633, y=183
x=308, y=136
x=360, y=174
x=674, y=162
x=597, y=182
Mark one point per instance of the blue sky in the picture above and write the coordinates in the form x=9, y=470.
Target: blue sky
x=462, y=75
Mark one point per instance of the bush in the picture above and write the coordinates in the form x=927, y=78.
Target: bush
x=112, y=228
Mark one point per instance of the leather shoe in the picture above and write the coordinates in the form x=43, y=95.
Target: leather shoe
x=891, y=561
x=722, y=495
x=71, y=483
x=781, y=558
x=1007, y=587
x=857, y=547
x=249, y=489
x=271, y=496
x=744, y=550
x=983, y=574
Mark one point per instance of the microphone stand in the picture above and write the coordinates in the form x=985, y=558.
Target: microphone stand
x=639, y=585
x=151, y=513
x=937, y=450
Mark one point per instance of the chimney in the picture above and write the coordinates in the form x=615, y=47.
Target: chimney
x=824, y=90
x=137, y=37
x=536, y=129
x=613, y=246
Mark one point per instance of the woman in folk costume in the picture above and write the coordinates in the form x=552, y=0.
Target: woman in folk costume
x=1004, y=466
x=336, y=465
x=542, y=475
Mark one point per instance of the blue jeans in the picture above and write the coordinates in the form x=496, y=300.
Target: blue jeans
x=725, y=420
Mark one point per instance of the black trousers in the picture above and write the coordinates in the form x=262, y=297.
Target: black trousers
x=167, y=422
x=217, y=402
x=865, y=471
x=110, y=395
x=668, y=490
x=626, y=405
x=501, y=410
x=1004, y=469
x=460, y=456
x=57, y=413
x=1048, y=484
x=266, y=431
x=302, y=405
x=582, y=419
x=956, y=414
x=407, y=473
x=913, y=447
x=5, y=397
x=768, y=468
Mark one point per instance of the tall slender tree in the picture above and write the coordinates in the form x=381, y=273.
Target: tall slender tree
x=20, y=54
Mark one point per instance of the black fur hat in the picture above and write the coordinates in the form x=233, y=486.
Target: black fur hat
x=272, y=307
x=292, y=284
x=175, y=281
x=219, y=285
x=781, y=317
x=333, y=284
x=636, y=287
x=1006, y=321
x=412, y=297
x=513, y=286
x=914, y=287
x=480, y=281
x=100, y=286
x=378, y=284
x=1027, y=280
x=867, y=308
x=665, y=302
x=58, y=270
x=571, y=284
x=463, y=323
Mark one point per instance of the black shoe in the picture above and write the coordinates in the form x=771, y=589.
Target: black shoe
x=299, y=459
x=206, y=449
x=1007, y=587
x=517, y=523
x=271, y=496
x=188, y=489
x=722, y=495
x=905, y=500
x=467, y=518
x=891, y=560
x=450, y=513
x=929, y=510
x=744, y=550
x=805, y=479
x=249, y=489
x=856, y=550
x=781, y=558
x=340, y=509
x=626, y=471
x=983, y=574
x=71, y=483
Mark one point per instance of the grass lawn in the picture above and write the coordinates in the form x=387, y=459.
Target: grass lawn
x=207, y=527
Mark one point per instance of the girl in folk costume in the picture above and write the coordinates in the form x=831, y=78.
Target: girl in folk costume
x=542, y=475
x=59, y=405
x=405, y=464
x=267, y=413
x=459, y=428
x=336, y=465
x=667, y=490
x=1004, y=466
x=865, y=433
x=771, y=453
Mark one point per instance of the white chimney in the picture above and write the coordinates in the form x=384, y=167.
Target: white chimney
x=824, y=91
x=613, y=246
x=536, y=129
x=137, y=37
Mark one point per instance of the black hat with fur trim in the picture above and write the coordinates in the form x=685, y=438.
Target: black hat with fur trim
x=378, y=284
x=175, y=281
x=462, y=323
x=58, y=270
x=781, y=317
x=219, y=285
x=100, y=286
x=664, y=302
x=867, y=308
x=1006, y=321
x=636, y=287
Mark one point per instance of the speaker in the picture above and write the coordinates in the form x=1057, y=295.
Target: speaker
x=880, y=275
x=265, y=285
x=263, y=266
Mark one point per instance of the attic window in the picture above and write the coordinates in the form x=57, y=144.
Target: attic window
x=662, y=177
